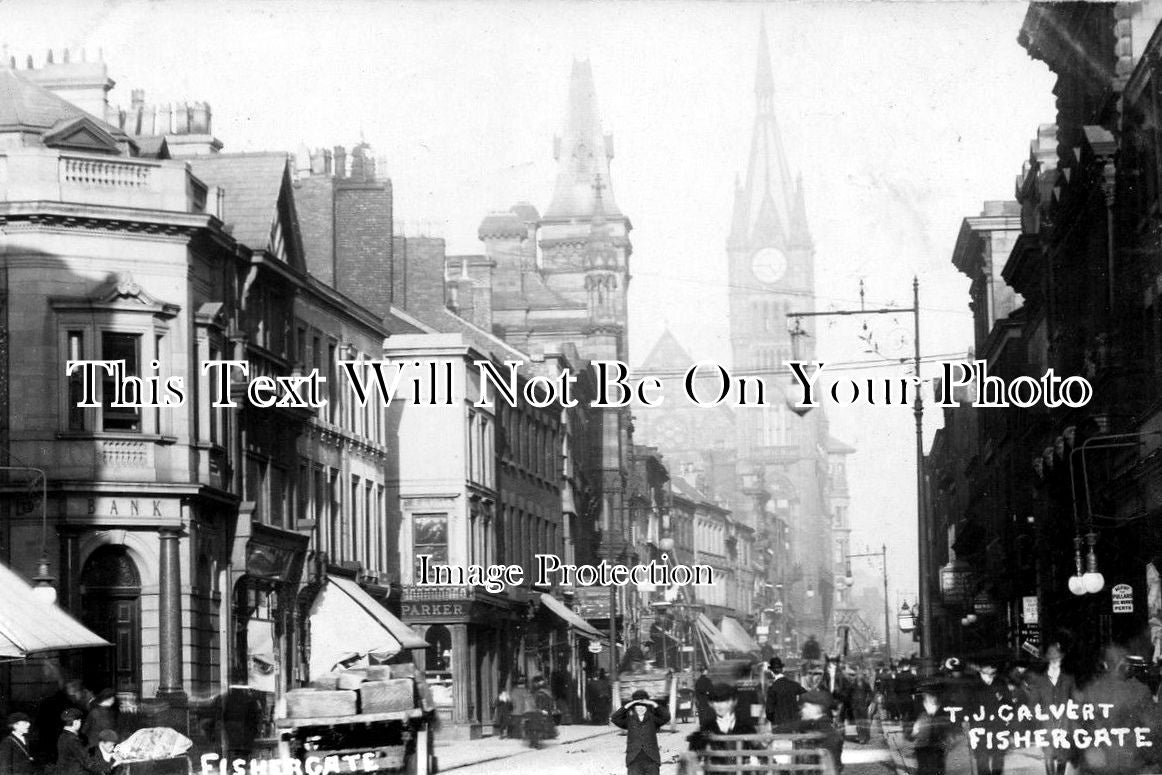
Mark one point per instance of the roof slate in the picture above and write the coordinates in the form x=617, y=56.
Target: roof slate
x=252, y=182
x=29, y=106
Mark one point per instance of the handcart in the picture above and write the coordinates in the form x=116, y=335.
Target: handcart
x=779, y=754
x=399, y=740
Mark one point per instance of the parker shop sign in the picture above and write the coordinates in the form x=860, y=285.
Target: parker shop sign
x=1122, y=596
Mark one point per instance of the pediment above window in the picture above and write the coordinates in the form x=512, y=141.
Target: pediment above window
x=82, y=134
x=119, y=292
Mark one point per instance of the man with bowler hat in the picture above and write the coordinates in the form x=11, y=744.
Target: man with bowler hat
x=724, y=721
x=15, y=758
x=641, y=718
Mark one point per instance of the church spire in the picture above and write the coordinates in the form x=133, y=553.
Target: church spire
x=765, y=206
x=764, y=81
x=583, y=153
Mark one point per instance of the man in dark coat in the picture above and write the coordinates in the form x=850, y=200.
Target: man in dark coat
x=782, y=700
x=989, y=694
x=836, y=684
x=702, y=697
x=641, y=718
x=815, y=717
x=1053, y=687
x=101, y=716
x=15, y=758
x=725, y=721
x=72, y=758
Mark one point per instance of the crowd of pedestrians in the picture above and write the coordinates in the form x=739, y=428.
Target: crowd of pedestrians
x=74, y=733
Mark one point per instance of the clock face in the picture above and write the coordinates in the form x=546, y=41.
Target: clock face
x=769, y=265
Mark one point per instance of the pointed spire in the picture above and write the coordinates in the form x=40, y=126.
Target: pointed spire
x=765, y=206
x=582, y=151
x=764, y=81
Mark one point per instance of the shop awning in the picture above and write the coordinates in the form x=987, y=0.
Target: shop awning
x=718, y=641
x=30, y=625
x=739, y=638
x=579, y=625
x=348, y=623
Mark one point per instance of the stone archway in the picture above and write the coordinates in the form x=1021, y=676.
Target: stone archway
x=111, y=607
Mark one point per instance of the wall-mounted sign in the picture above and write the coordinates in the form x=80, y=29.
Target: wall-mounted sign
x=594, y=647
x=1122, y=596
x=1029, y=611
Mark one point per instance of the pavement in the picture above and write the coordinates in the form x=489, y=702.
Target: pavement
x=958, y=760
x=600, y=750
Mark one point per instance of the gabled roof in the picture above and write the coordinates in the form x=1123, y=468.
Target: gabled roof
x=838, y=447
x=82, y=133
x=684, y=489
x=254, y=183
x=27, y=106
x=667, y=353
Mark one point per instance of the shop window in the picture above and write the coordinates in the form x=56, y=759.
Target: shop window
x=438, y=658
x=430, y=537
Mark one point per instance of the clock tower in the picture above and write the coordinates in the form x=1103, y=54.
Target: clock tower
x=782, y=457
x=771, y=266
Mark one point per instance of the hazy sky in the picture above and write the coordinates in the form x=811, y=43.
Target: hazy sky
x=902, y=118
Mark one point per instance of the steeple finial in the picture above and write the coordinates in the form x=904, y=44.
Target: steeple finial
x=764, y=82
x=582, y=151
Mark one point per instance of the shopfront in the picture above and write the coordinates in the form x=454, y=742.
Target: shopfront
x=472, y=651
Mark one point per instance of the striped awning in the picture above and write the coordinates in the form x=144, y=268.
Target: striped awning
x=32, y=625
x=570, y=617
x=739, y=638
x=718, y=641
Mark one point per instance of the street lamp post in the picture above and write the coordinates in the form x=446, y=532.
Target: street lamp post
x=923, y=550
x=43, y=587
x=883, y=555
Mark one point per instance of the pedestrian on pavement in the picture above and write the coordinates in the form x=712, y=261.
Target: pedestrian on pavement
x=522, y=705
x=988, y=696
x=702, y=696
x=1052, y=687
x=601, y=697
x=724, y=721
x=641, y=718
x=539, y=723
x=815, y=709
x=838, y=686
x=860, y=694
x=1130, y=706
x=72, y=758
x=101, y=716
x=15, y=754
x=931, y=735
x=782, y=700
x=503, y=707
x=811, y=652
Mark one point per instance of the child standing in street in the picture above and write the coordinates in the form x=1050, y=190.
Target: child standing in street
x=641, y=718
x=930, y=735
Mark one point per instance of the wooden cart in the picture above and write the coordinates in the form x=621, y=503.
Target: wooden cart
x=409, y=729
x=782, y=754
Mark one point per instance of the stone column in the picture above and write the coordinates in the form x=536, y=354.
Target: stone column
x=169, y=628
x=461, y=674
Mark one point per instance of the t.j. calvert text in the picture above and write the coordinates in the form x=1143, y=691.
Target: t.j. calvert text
x=705, y=384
